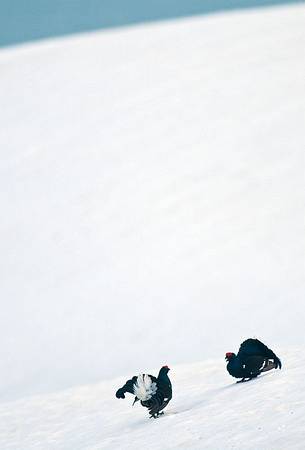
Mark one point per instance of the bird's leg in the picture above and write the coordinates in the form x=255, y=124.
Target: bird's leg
x=249, y=379
x=255, y=375
x=241, y=381
x=156, y=415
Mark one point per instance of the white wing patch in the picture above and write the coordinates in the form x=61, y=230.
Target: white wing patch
x=144, y=388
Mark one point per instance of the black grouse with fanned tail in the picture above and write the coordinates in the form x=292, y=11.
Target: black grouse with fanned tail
x=153, y=393
x=252, y=359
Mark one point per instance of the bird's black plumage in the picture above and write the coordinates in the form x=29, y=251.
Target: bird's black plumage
x=253, y=358
x=159, y=400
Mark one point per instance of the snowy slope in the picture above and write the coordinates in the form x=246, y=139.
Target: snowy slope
x=208, y=411
x=152, y=200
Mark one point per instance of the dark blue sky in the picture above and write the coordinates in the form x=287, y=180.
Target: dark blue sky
x=26, y=20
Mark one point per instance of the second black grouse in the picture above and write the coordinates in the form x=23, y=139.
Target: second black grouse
x=253, y=358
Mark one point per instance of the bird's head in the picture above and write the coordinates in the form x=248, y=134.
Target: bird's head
x=164, y=370
x=229, y=356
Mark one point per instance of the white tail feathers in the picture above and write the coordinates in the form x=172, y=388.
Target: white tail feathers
x=144, y=388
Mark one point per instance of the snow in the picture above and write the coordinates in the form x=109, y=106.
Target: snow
x=152, y=199
x=208, y=411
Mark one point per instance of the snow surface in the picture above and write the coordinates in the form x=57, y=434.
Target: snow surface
x=152, y=199
x=208, y=411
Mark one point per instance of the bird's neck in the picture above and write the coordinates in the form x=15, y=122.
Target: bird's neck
x=163, y=378
x=235, y=362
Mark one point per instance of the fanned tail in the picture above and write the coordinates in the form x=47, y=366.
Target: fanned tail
x=144, y=388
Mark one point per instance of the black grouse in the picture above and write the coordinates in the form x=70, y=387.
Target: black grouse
x=153, y=393
x=252, y=359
